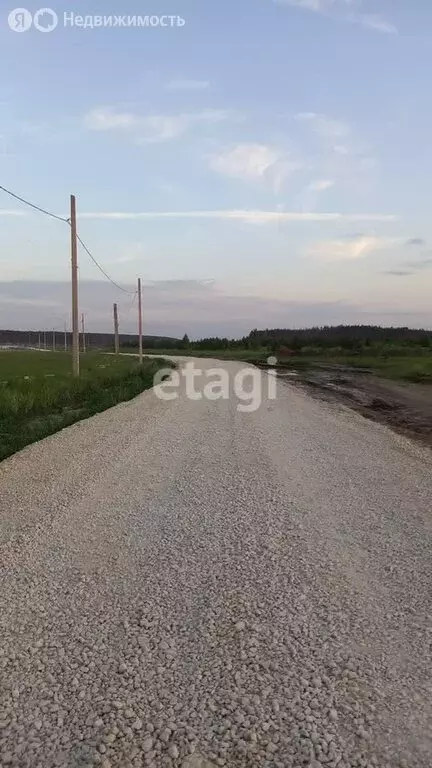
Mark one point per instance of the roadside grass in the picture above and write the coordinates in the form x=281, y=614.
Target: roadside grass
x=39, y=396
x=417, y=369
x=410, y=366
x=403, y=367
x=217, y=354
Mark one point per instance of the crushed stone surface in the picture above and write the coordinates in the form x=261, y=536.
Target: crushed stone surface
x=184, y=585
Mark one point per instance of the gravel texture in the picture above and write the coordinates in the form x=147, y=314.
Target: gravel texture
x=186, y=585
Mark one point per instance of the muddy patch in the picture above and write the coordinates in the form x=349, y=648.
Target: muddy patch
x=405, y=407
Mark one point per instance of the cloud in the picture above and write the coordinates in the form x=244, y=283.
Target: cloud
x=349, y=248
x=245, y=161
x=321, y=185
x=108, y=120
x=30, y=301
x=411, y=267
x=420, y=264
x=324, y=126
x=320, y=6
x=174, y=307
x=10, y=270
x=309, y=198
x=244, y=216
x=397, y=272
x=255, y=162
x=240, y=215
x=150, y=128
x=339, y=154
x=129, y=253
x=341, y=149
x=188, y=85
x=344, y=10
x=415, y=241
x=376, y=22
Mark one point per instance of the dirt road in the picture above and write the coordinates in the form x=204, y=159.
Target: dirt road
x=186, y=585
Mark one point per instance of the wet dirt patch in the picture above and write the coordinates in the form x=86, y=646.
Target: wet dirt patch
x=403, y=406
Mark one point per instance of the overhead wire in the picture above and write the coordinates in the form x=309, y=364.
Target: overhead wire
x=32, y=205
x=67, y=221
x=88, y=252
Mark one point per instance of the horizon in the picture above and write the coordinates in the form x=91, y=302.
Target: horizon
x=192, y=339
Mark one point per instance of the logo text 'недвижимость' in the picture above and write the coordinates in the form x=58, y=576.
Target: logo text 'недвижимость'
x=47, y=20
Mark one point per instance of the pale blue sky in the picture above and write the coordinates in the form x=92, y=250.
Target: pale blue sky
x=212, y=152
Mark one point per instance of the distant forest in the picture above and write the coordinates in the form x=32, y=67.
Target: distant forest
x=93, y=340
x=349, y=337
x=345, y=337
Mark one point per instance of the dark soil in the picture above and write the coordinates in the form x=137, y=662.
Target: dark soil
x=405, y=407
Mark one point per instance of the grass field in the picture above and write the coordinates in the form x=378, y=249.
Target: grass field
x=217, y=354
x=416, y=369
x=412, y=366
x=407, y=367
x=39, y=396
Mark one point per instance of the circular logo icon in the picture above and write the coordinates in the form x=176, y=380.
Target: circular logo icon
x=45, y=20
x=20, y=20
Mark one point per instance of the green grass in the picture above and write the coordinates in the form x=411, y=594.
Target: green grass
x=217, y=354
x=51, y=399
x=416, y=369
x=399, y=368
x=410, y=366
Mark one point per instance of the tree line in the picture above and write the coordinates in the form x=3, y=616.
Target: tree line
x=346, y=337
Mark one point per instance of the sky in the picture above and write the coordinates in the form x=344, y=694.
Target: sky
x=265, y=164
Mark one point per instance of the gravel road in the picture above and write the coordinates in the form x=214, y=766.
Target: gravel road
x=186, y=585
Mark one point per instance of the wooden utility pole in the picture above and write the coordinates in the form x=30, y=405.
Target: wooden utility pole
x=116, y=330
x=83, y=333
x=54, y=340
x=75, y=316
x=140, y=323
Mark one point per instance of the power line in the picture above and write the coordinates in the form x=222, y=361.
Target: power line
x=32, y=205
x=102, y=269
x=133, y=301
x=66, y=221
